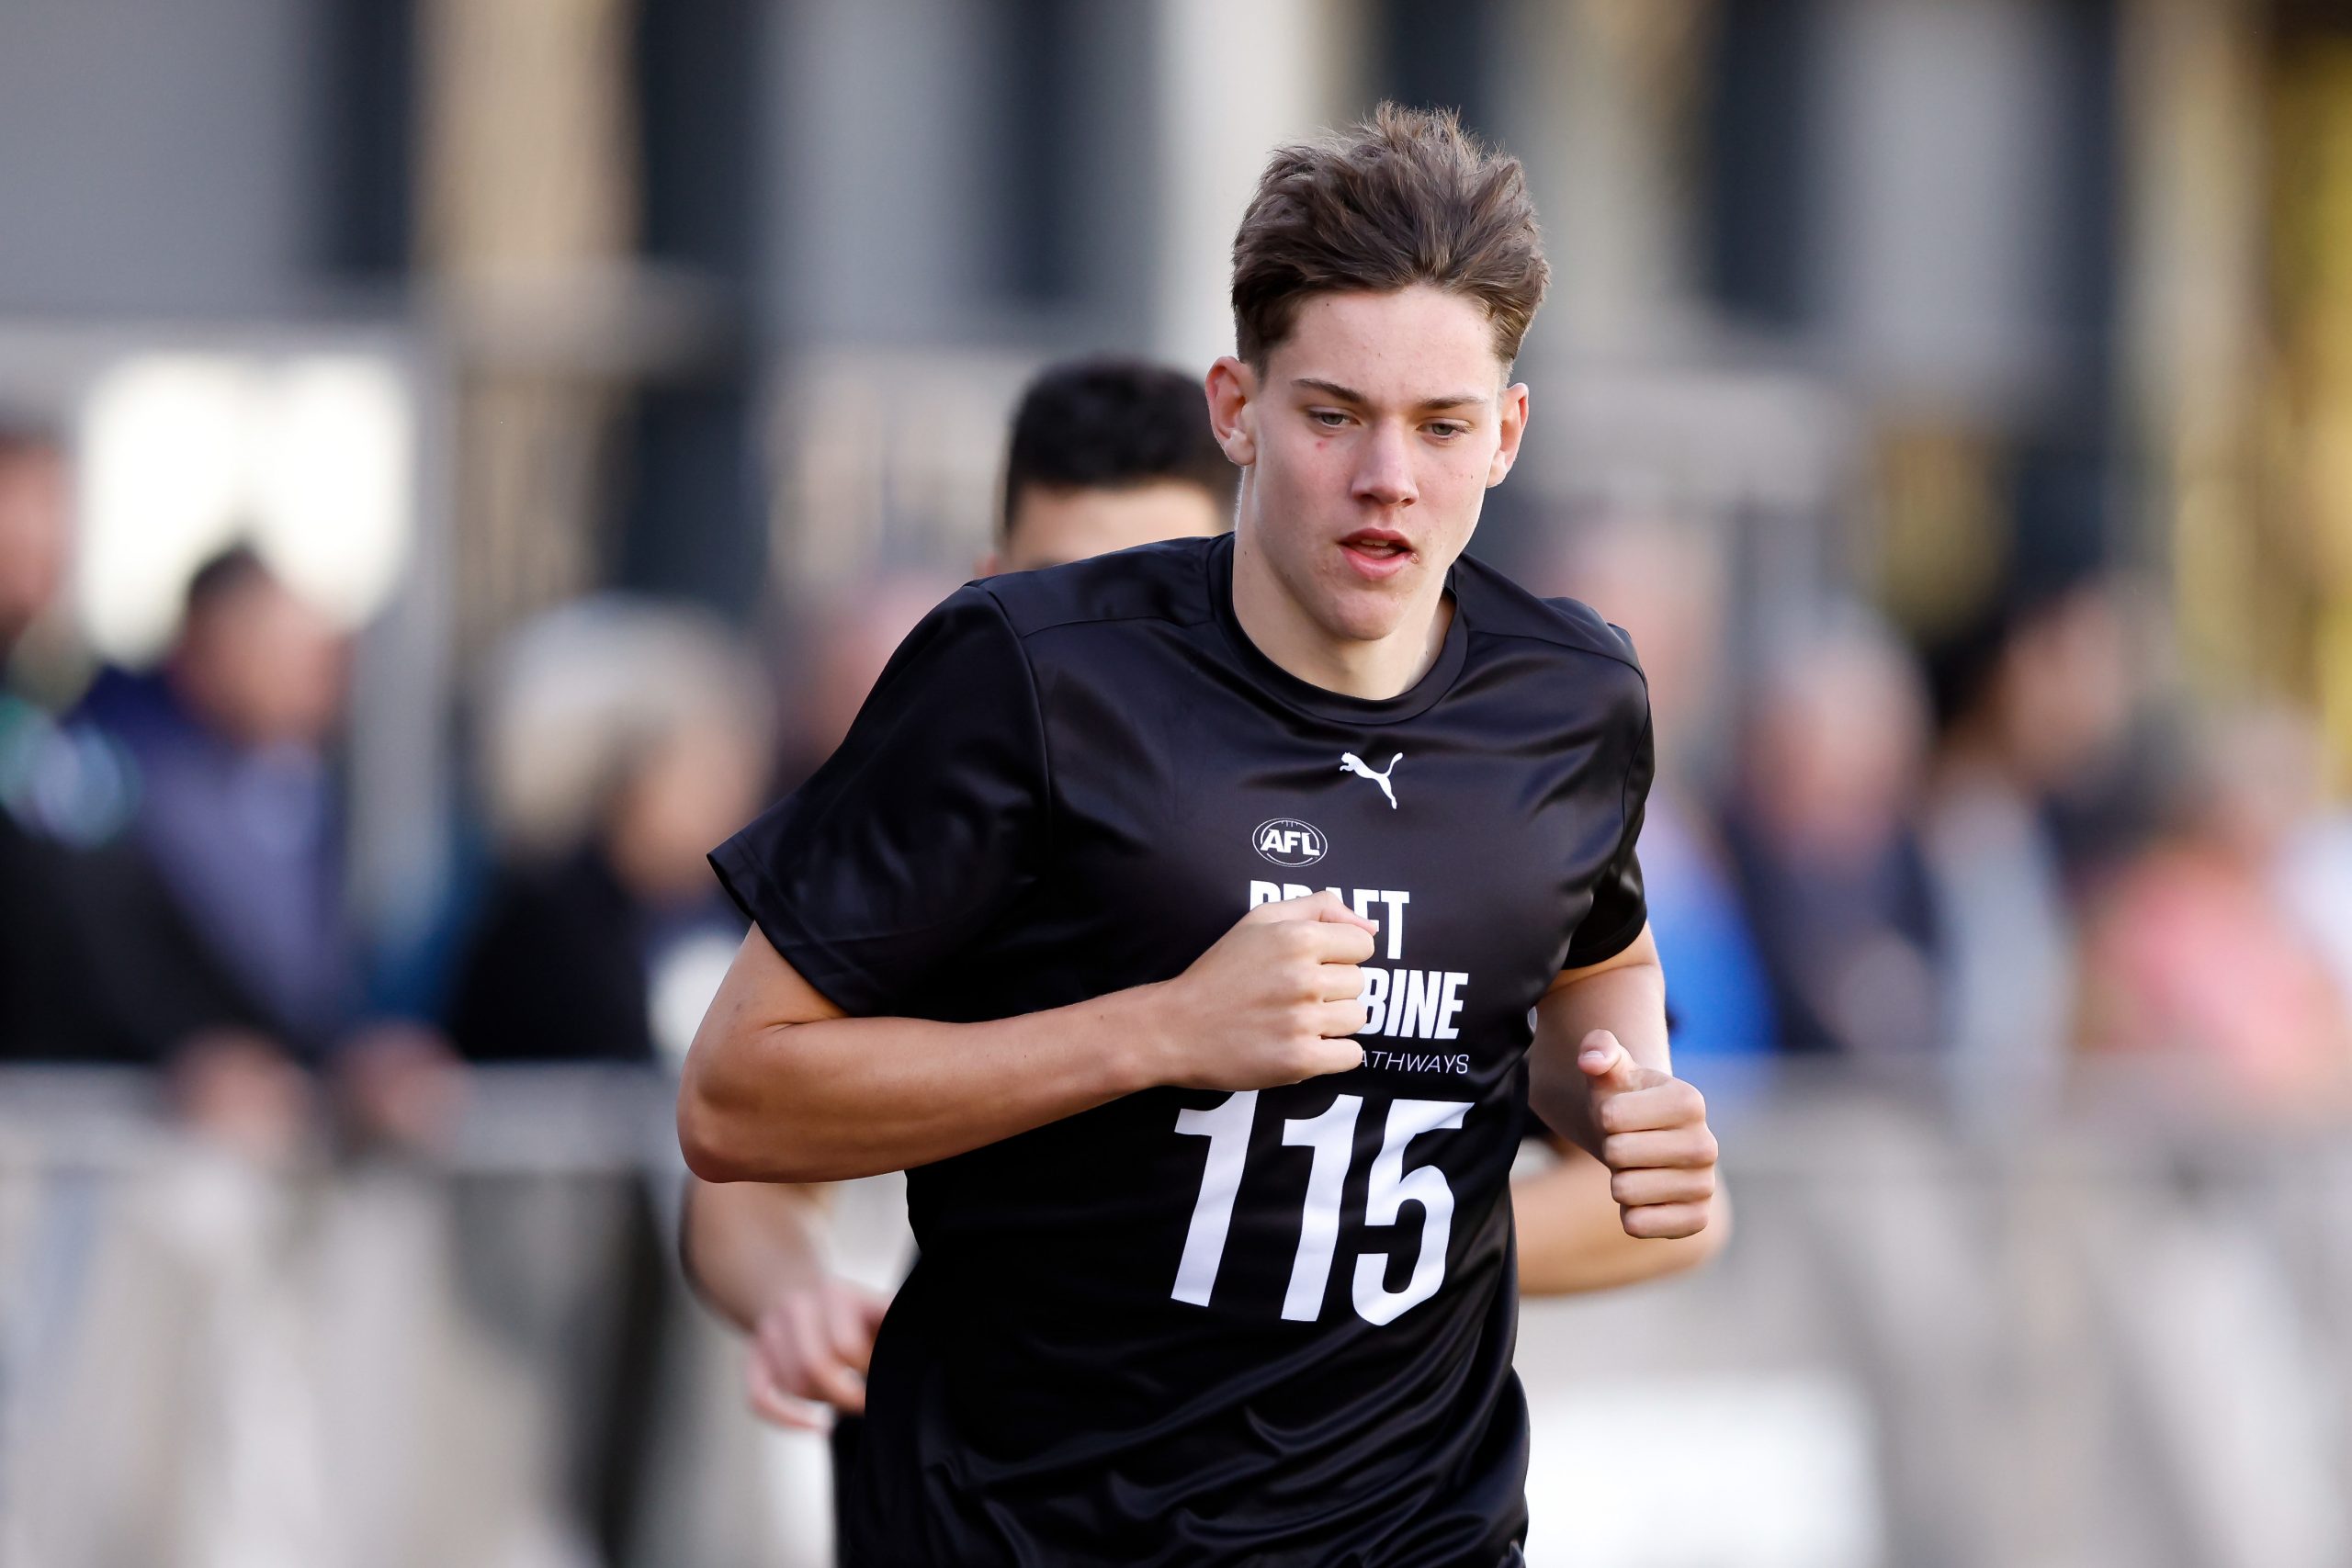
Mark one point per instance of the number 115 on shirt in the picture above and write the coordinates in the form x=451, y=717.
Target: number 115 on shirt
x=1331, y=1136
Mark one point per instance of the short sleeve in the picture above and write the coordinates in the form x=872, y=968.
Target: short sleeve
x=1619, y=909
x=925, y=824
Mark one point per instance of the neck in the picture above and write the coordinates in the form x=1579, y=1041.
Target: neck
x=1282, y=629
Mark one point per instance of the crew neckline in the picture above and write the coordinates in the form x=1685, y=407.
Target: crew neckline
x=1321, y=702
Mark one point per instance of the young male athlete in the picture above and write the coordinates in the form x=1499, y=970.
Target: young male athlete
x=1103, y=455
x=1207, y=1063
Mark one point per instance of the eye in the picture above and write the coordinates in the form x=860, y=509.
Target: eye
x=1329, y=419
x=1446, y=429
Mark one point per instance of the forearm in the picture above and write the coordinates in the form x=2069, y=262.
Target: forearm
x=746, y=1243
x=781, y=1086
x=1571, y=1240
x=1626, y=996
x=838, y=1097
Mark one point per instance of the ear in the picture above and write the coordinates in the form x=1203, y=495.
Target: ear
x=1233, y=409
x=1513, y=427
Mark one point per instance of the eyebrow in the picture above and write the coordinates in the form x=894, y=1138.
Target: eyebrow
x=1349, y=395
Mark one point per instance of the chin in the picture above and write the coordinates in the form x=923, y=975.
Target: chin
x=1362, y=613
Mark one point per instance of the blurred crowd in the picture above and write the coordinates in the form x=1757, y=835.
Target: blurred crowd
x=1995, y=864
x=174, y=842
x=2006, y=863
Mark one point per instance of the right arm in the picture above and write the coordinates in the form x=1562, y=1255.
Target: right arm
x=780, y=1086
x=949, y=754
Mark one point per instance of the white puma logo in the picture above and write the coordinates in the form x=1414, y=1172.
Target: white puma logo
x=1351, y=764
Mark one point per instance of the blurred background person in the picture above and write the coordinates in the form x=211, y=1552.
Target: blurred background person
x=172, y=895
x=2196, y=964
x=1665, y=582
x=2031, y=700
x=249, y=967
x=2313, y=871
x=239, y=811
x=834, y=655
x=619, y=740
x=1103, y=455
x=1833, y=749
x=34, y=548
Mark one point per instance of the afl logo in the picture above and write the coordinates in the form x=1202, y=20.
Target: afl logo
x=1287, y=842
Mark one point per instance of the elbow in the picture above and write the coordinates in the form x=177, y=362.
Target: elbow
x=720, y=1148
x=711, y=1146
x=722, y=1143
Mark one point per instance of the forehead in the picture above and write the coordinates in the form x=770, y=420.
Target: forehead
x=1405, y=347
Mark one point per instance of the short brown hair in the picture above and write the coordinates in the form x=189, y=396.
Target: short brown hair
x=1406, y=196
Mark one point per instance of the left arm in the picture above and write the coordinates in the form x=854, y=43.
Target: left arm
x=1600, y=1074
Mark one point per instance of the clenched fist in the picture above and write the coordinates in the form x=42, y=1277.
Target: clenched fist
x=1273, y=1002
x=810, y=1350
x=1653, y=1137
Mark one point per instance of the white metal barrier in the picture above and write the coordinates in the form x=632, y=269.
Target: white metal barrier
x=2113, y=1349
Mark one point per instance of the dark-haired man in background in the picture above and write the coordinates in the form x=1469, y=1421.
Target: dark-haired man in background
x=238, y=948
x=1104, y=454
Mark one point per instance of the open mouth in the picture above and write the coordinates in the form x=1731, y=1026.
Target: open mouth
x=1376, y=552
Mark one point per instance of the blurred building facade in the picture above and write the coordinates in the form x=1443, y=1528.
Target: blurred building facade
x=1954, y=313
x=727, y=297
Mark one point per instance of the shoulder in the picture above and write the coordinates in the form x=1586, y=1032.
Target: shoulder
x=1163, y=582
x=1498, y=607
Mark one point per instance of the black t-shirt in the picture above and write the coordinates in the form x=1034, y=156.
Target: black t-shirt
x=1187, y=1327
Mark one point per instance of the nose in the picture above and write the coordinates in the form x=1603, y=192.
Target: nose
x=1384, y=475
